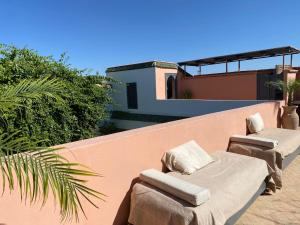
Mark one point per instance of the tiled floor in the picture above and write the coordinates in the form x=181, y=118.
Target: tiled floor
x=281, y=208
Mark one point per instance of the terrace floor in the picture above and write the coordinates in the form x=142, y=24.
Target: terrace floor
x=282, y=208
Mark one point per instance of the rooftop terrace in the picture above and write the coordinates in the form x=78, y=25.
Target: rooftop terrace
x=122, y=156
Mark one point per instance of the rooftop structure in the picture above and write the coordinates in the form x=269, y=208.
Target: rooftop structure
x=144, y=87
x=259, y=54
x=159, y=64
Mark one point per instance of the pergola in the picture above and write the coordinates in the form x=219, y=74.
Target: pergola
x=265, y=53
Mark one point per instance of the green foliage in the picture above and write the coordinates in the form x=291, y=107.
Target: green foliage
x=37, y=170
x=13, y=95
x=289, y=87
x=187, y=94
x=85, y=98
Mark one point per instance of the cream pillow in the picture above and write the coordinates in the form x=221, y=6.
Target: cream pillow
x=255, y=123
x=189, y=192
x=186, y=158
x=265, y=142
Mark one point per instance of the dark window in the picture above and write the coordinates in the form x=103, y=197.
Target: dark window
x=265, y=91
x=131, y=96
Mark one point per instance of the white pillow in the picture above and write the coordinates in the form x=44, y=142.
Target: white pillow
x=186, y=158
x=266, y=142
x=255, y=123
x=182, y=189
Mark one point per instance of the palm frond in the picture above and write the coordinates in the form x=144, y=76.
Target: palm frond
x=37, y=170
x=288, y=87
x=15, y=95
x=278, y=84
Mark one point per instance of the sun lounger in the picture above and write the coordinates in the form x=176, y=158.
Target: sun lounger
x=288, y=142
x=278, y=147
x=234, y=182
x=244, y=146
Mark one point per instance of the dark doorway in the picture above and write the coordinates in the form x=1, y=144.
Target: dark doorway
x=265, y=91
x=131, y=96
x=170, y=87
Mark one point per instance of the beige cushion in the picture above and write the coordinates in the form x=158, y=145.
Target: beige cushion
x=186, y=158
x=255, y=123
x=179, y=188
x=266, y=142
x=289, y=140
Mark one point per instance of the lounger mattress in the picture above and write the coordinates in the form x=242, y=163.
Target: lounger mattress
x=289, y=140
x=232, y=180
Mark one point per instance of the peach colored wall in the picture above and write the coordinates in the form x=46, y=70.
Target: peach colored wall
x=297, y=94
x=160, y=81
x=289, y=75
x=120, y=157
x=233, y=86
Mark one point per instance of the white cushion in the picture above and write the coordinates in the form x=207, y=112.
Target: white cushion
x=186, y=158
x=266, y=142
x=181, y=189
x=255, y=123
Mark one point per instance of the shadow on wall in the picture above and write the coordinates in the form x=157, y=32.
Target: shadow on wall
x=195, y=107
x=124, y=209
x=279, y=114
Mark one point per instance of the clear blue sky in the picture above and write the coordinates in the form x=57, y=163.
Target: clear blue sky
x=97, y=34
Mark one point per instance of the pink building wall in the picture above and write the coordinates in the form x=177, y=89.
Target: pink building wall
x=297, y=94
x=233, y=86
x=160, y=81
x=120, y=157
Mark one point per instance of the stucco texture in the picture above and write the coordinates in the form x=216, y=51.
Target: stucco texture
x=120, y=157
x=233, y=86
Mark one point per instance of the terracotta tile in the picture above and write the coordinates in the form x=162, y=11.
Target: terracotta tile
x=282, y=208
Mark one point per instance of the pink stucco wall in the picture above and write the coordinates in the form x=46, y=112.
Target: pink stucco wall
x=290, y=75
x=232, y=86
x=160, y=81
x=120, y=157
x=297, y=94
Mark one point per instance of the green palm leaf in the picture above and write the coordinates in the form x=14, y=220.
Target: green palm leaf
x=289, y=87
x=38, y=169
x=15, y=96
x=35, y=170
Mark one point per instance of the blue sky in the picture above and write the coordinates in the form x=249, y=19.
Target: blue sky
x=97, y=34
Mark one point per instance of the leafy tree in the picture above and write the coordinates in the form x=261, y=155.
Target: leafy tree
x=38, y=170
x=86, y=98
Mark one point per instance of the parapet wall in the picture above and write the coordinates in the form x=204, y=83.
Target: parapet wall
x=232, y=86
x=120, y=157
